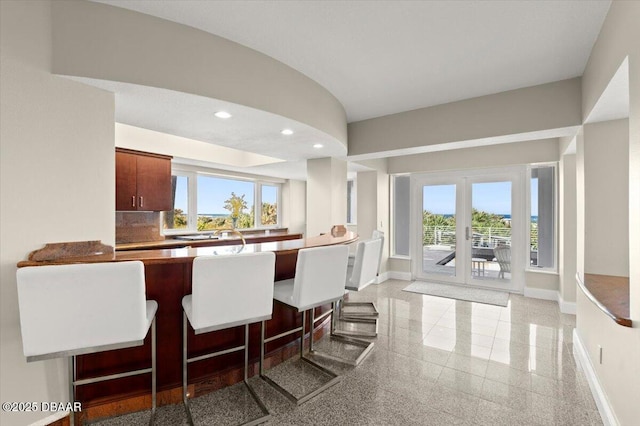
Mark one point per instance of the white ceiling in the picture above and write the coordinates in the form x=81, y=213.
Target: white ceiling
x=376, y=57
x=192, y=117
x=383, y=57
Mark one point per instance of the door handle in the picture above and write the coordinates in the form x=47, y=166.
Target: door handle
x=466, y=233
x=133, y=201
x=141, y=201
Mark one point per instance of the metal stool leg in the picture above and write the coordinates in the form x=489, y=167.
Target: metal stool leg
x=372, y=313
x=245, y=347
x=265, y=412
x=304, y=320
x=153, y=372
x=72, y=387
x=334, y=378
x=365, y=345
x=74, y=382
x=184, y=369
x=362, y=318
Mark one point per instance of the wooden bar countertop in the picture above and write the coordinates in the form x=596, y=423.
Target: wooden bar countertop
x=610, y=294
x=187, y=254
x=177, y=242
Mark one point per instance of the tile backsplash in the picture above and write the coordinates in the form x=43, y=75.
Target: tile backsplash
x=137, y=227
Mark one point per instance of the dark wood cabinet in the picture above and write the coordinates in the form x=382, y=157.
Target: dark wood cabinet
x=143, y=181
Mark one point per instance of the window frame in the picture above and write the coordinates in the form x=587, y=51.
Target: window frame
x=258, y=204
x=192, y=197
x=353, y=206
x=528, y=266
x=192, y=214
x=392, y=218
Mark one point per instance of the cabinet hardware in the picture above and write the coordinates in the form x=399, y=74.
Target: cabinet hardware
x=141, y=202
x=133, y=201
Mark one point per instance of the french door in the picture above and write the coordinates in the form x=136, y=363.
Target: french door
x=467, y=228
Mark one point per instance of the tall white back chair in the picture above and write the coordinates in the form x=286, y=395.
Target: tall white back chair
x=361, y=274
x=319, y=279
x=70, y=310
x=379, y=235
x=365, y=274
x=228, y=291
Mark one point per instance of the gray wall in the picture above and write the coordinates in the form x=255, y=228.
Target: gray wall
x=619, y=372
x=548, y=106
x=606, y=174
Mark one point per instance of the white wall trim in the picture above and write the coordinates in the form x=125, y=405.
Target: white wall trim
x=397, y=275
x=582, y=358
x=382, y=277
x=540, y=293
x=566, y=307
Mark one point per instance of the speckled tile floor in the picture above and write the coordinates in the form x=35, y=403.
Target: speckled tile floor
x=435, y=362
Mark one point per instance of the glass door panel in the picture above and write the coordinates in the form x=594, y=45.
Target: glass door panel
x=439, y=230
x=491, y=232
x=466, y=228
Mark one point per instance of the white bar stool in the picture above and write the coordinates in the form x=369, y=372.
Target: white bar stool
x=357, y=314
x=319, y=279
x=70, y=310
x=359, y=276
x=228, y=291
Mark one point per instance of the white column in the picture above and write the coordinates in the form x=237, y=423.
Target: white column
x=373, y=207
x=567, y=228
x=326, y=195
x=606, y=198
x=294, y=204
x=367, y=203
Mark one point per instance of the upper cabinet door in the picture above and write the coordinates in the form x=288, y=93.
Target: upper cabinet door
x=126, y=194
x=154, y=183
x=143, y=181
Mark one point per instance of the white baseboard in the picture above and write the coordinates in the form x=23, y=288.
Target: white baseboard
x=540, y=293
x=397, y=275
x=566, y=307
x=382, y=277
x=582, y=357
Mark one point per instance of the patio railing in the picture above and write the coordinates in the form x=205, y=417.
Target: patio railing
x=482, y=236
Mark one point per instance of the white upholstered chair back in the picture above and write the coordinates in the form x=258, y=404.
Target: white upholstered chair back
x=365, y=267
x=320, y=276
x=380, y=236
x=232, y=290
x=66, y=308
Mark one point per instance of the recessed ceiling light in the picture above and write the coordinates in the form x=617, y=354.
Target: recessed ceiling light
x=222, y=114
x=318, y=145
x=287, y=132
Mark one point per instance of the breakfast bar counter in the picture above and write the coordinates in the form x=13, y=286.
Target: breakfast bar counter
x=168, y=279
x=207, y=240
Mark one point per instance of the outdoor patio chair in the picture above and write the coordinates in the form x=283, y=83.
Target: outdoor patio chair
x=503, y=257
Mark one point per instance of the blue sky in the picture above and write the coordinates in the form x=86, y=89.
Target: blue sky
x=269, y=194
x=212, y=193
x=492, y=197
